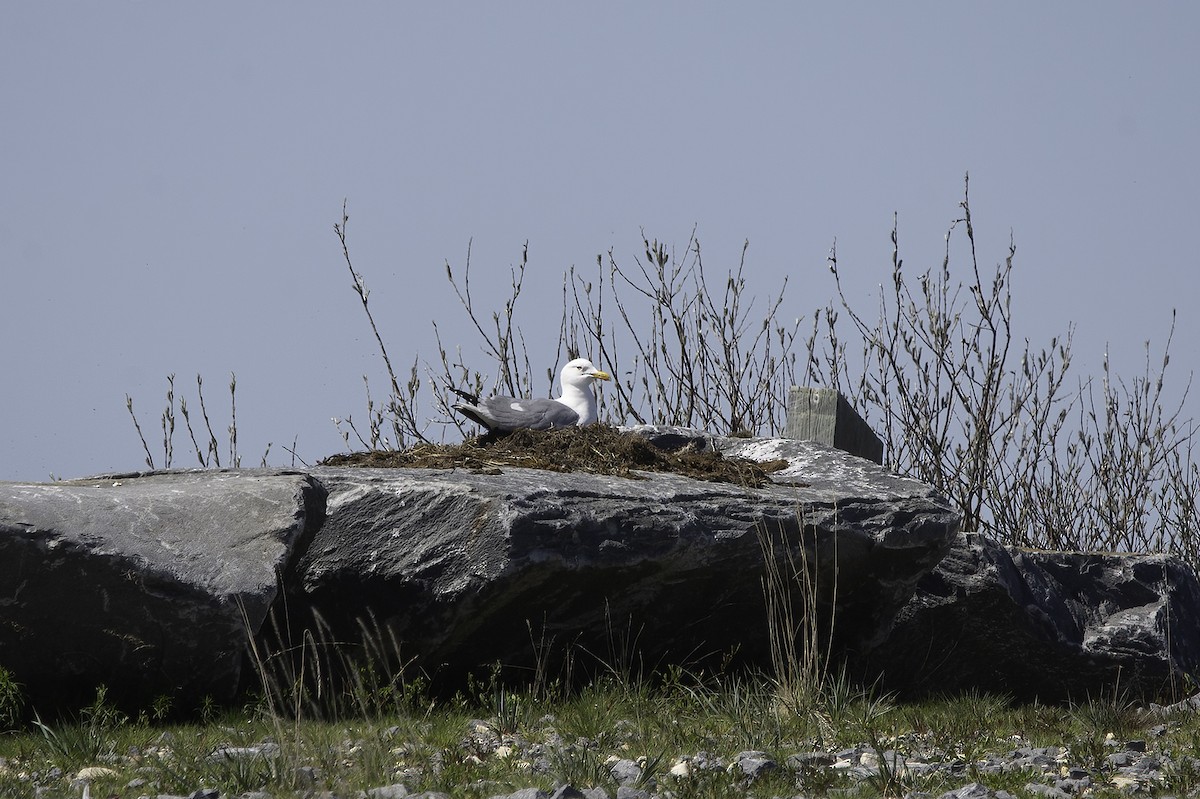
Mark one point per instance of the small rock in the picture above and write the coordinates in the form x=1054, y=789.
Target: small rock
x=1147, y=763
x=1124, y=782
x=267, y=750
x=568, y=792
x=809, y=760
x=307, y=775
x=995, y=765
x=971, y=791
x=625, y=792
x=394, y=791
x=625, y=772
x=1073, y=786
x=754, y=764
x=704, y=761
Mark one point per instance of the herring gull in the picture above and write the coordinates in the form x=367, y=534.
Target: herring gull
x=576, y=406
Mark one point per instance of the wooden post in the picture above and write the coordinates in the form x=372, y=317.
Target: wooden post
x=824, y=415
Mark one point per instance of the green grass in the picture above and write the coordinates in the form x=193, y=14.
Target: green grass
x=498, y=742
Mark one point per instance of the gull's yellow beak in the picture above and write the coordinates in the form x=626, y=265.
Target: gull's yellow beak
x=601, y=375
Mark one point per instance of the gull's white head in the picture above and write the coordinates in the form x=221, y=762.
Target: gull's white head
x=580, y=372
x=577, y=377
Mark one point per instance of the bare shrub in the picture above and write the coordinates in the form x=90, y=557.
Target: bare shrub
x=398, y=413
x=993, y=423
x=207, y=447
x=688, y=352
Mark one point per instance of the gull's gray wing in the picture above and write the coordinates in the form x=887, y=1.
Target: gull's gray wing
x=508, y=413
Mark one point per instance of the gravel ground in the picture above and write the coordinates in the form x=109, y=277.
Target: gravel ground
x=1114, y=767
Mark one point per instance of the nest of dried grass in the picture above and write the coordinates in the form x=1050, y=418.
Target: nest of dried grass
x=598, y=449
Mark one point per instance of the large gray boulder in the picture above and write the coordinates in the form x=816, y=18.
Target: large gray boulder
x=145, y=583
x=531, y=569
x=1055, y=626
x=152, y=584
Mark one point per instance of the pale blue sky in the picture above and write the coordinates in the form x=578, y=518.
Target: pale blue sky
x=171, y=174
